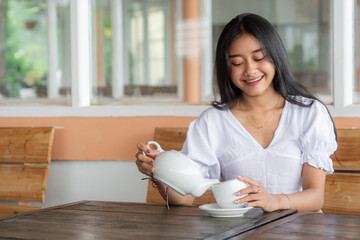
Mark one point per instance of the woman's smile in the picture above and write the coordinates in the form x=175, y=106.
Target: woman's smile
x=253, y=81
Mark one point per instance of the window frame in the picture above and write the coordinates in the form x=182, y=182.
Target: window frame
x=343, y=46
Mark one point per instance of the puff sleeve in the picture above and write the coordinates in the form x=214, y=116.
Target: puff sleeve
x=318, y=141
x=198, y=147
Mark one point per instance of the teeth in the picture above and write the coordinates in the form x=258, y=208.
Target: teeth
x=257, y=79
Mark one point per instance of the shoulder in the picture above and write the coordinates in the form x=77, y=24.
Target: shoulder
x=213, y=113
x=313, y=115
x=211, y=118
x=311, y=106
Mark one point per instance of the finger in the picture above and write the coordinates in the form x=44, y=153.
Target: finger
x=152, y=153
x=146, y=150
x=258, y=204
x=144, y=147
x=145, y=168
x=145, y=160
x=248, y=198
x=248, y=180
x=249, y=190
x=255, y=189
x=137, y=154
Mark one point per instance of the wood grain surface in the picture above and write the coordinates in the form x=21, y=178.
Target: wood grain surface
x=308, y=226
x=348, y=152
x=26, y=144
x=116, y=220
x=25, y=154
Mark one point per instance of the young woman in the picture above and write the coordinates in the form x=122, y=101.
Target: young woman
x=266, y=129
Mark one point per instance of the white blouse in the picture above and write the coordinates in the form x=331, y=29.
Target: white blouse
x=224, y=149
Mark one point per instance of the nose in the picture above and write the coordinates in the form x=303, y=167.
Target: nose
x=251, y=68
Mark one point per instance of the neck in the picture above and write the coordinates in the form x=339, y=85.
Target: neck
x=259, y=103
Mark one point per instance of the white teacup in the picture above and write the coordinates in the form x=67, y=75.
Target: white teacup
x=224, y=193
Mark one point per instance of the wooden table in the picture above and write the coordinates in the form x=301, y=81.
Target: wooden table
x=308, y=226
x=116, y=220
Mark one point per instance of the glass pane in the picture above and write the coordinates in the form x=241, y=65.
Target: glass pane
x=102, y=50
x=157, y=46
x=25, y=72
x=304, y=26
x=148, y=54
x=357, y=56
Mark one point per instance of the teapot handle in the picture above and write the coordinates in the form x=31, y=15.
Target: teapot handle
x=158, y=147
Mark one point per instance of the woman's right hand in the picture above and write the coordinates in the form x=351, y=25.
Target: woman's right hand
x=145, y=159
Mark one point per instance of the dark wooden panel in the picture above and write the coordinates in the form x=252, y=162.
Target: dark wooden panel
x=112, y=220
x=26, y=145
x=309, y=226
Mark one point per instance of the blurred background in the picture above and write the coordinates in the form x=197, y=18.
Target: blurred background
x=138, y=48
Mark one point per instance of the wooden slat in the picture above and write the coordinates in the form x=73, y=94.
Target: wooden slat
x=173, y=138
x=8, y=210
x=170, y=138
x=348, y=151
x=26, y=145
x=23, y=182
x=342, y=193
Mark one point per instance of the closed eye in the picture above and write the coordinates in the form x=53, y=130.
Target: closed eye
x=237, y=64
x=259, y=59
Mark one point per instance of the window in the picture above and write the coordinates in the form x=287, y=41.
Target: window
x=147, y=51
x=357, y=54
x=155, y=57
x=34, y=51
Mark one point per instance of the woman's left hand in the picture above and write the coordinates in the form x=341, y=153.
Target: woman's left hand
x=257, y=196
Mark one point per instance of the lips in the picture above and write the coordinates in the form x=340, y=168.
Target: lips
x=253, y=81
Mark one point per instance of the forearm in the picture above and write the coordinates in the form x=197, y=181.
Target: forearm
x=175, y=198
x=310, y=200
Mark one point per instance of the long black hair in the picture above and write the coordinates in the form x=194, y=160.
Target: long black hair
x=284, y=81
x=271, y=43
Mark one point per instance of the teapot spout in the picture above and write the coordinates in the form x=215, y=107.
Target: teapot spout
x=205, y=185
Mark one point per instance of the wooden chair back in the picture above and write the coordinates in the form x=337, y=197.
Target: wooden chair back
x=342, y=189
x=173, y=138
x=25, y=155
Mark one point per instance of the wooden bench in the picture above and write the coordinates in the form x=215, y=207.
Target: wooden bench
x=25, y=155
x=342, y=191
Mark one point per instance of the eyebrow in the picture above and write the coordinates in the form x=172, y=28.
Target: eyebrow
x=239, y=55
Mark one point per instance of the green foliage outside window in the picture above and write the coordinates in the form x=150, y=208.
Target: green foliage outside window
x=25, y=54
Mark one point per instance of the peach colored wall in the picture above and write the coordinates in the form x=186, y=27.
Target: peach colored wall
x=101, y=138
x=111, y=138
x=347, y=122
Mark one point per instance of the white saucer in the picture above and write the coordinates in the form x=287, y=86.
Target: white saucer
x=215, y=211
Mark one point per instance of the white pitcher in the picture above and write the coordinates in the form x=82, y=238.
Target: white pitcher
x=180, y=173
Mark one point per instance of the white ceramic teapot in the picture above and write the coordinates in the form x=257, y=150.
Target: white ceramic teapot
x=180, y=173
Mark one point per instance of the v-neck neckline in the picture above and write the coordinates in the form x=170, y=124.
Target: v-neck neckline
x=276, y=133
